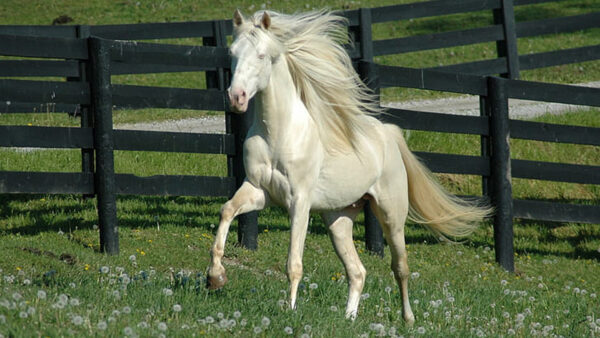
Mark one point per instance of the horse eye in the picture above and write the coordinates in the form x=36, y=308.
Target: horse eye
x=261, y=56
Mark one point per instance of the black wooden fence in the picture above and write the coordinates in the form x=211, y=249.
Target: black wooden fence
x=496, y=129
x=88, y=63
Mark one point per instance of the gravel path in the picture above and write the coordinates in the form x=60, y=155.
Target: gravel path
x=468, y=105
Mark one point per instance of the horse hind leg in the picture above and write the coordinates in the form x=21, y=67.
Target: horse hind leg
x=392, y=214
x=247, y=198
x=340, y=231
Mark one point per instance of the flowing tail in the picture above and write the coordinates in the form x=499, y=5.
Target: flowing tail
x=431, y=205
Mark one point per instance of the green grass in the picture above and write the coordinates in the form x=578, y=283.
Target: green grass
x=456, y=290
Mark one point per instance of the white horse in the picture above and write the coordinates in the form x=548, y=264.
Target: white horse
x=314, y=145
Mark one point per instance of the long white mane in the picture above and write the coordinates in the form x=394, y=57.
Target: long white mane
x=335, y=96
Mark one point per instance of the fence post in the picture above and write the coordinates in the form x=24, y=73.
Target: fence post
x=500, y=172
x=238, y=125
x=247, y=223
x=485, y=146
x=104, y=178
x=373, y=232
x=508, y=47
x=87, y=121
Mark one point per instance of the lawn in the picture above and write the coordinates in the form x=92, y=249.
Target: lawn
x=55, y=282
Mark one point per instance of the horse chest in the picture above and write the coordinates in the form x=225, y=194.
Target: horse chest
x=281, y=173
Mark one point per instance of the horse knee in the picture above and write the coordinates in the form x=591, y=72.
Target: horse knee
x=359, y=274
x=294, y=271
x=227, y=211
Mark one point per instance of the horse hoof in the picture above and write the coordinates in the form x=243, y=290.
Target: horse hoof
x=216, y=282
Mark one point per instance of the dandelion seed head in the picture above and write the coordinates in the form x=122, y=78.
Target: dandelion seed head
x=237, y=314
x=288, y=330
x=23, y=314
x=177, y=308
x=74, y=302
x=41, y=294
x=162, y=326
x=167, y=292
x=104, y=269
x=265, y=321
x=128, y=331
x=77, y=320
x=421, y=330
x=415, y=275
x=102, y=325
x=127, y=310
x=313, y=286
x=257, y=329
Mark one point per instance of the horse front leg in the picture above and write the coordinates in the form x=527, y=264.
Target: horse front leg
x=247, y=198
x=299, y=213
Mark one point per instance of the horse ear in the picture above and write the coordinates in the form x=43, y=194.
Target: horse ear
x=238, y=19
x=265, y=22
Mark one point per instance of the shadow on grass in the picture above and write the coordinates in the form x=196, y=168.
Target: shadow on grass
x=51, y=214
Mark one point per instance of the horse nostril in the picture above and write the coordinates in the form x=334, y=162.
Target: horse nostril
x=243, y=93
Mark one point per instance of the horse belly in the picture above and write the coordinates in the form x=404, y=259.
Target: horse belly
x=343, y=181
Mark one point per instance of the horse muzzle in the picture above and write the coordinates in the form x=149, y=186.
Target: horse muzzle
x=238, y=100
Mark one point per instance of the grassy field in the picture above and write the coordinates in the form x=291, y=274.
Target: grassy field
x=54, y=281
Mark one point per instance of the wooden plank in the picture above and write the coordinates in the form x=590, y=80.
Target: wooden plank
x=40, y=31
x=556, y=212
x=549, y=92
x=139, y=140
x=391, y=76
x=42, y=47
x=46, y=137
x=118, y=68
x=455, y=164
x=534, y=2
x=507, y=46
x=558, y=25
x=431, y=8
x=151, y=53
x=163, y=185
x=447, y=123
x=16, y=182
x=483, y=67
x=146, y=31
x=11, y=107
x=558, y=172
x=44, y=91
x=560, y=133
x=559, y=57
x=437, y=40
x=38, y=68
x=163, y=97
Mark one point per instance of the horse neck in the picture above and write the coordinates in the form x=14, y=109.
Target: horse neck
x=279, y=108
